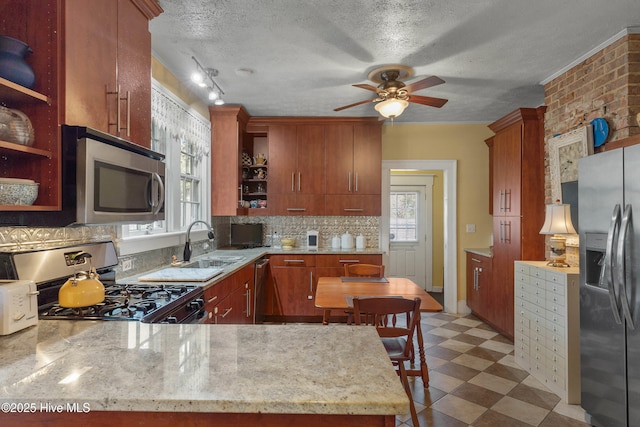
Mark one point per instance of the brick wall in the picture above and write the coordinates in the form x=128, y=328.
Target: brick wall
x=605, y=85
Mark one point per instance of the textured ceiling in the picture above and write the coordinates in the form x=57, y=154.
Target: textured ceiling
x=306, y=54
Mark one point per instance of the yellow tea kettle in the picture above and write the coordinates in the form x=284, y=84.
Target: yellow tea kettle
x=83, y=289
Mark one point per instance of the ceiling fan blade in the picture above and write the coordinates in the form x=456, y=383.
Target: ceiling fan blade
x=423, y=84
x=367, y=87
x=357, y=103
x=427, y=100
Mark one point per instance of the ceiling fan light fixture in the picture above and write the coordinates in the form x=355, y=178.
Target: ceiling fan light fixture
x=391, y=108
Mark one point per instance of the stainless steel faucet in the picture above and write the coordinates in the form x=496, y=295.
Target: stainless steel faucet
x=187, y=246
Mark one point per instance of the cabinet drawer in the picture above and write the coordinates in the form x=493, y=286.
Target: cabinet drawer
x=538, y=273
x=521, y=269
x=558, y=278
x=293, y=260
x=342, y=259
x=556, y=318
x=521, y=277
x=554, y=328
x=556, y=288
x=555, y=303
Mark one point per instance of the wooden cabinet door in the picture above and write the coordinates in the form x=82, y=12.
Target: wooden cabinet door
x=310, y=159
x=339, y=160
x=367, y=159
x=296, y=289
x=91, y=49
x=134, y=73
x=506, y=250
x=283, y=155
x=507, y=152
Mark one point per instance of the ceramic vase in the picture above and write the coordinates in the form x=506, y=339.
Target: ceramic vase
x=13, y=66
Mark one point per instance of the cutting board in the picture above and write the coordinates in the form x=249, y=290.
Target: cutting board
x=173, y=274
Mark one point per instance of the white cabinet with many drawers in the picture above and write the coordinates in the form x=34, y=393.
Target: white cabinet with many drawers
x=547, y=326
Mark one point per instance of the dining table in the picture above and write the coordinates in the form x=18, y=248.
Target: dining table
x=337, y=293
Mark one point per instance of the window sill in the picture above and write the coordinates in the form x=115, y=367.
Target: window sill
x=138, y=244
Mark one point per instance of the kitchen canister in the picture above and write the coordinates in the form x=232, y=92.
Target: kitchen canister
x=13, y=66
x=335, y=242
x=360, y=242
x=15, y=127
x=347, y=241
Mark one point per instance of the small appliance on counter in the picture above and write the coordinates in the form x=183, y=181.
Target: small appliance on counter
x=312, y=240
x=18, y=305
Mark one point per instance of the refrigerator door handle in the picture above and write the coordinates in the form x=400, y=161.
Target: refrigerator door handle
x=621, y=266
x=605, y=278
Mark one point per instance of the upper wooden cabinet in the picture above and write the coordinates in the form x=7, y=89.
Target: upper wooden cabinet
x=111, y=39
x=228, y=125
x=296, y=169
x=73, y=50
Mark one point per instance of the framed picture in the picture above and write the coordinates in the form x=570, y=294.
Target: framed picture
x=564, y=152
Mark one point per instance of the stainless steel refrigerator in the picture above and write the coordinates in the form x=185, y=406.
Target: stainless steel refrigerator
x=608, y=202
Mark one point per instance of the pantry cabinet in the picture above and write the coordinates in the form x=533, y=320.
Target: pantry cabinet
x=517, y=177
x=72, y=42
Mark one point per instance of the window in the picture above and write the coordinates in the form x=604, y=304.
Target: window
x=403, y=222
x=184, y=137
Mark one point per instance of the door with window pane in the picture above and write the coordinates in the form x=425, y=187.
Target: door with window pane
x=410, y=230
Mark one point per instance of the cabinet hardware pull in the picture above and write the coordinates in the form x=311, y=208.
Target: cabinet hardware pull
x=476, y=260
x=294, y=260
x=297, y=209
x=353, y=209
x=356, y=182
x=117, y=94
x=350, y=261
x=248, y=295
x=227, y=311
x=475, y=278
x=310, y=284
x=212, y=299
x=299, y=181
x=128, y=127
x=349, y=181
x=293, y=182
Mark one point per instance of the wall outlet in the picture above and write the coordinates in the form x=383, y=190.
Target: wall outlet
x=471, y=228
x=127, y=264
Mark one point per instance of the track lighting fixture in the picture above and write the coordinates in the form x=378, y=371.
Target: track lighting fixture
x=202, y=76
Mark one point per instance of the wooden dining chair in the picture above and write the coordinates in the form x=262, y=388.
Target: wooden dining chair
x=382, y=312
x=363, y=270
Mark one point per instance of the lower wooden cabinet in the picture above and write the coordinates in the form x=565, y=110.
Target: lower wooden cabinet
x=230, y=301
x=483, y=295
x=294, y=278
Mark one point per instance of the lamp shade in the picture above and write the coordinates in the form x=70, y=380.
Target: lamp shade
x=391, y=107
x=557, y=220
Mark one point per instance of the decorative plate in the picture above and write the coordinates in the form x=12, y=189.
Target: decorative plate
x=246, y=159
x=600, y=131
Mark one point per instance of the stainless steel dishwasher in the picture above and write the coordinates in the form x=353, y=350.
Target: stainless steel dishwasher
x=260, y=272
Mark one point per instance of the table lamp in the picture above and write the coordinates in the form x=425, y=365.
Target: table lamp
x=557, y=223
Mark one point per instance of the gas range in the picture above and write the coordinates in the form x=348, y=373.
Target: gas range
x=144, y=302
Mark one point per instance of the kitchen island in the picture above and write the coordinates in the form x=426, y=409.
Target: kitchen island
x=118, y=372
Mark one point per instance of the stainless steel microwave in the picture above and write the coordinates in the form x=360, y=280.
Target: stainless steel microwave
x=105, y=180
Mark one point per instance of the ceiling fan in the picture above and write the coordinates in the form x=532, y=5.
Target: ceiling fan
x=394, y=95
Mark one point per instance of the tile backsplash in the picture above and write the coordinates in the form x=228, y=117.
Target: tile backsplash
x=25, y=238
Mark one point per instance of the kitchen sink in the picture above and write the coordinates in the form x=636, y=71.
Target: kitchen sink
x=214, y=261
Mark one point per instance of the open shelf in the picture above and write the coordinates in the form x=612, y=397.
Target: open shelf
x=14, y=93
x=11, y=148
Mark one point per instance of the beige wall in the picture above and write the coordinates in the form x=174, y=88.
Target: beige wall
x=178, y=88
x=461, y=142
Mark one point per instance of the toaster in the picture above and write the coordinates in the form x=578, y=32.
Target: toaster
x=18, y=305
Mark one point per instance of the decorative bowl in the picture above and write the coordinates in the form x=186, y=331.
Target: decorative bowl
x=15, y=191
x=15, y=127
x=287, y=242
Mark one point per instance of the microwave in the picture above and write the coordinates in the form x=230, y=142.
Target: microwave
x=105, y=180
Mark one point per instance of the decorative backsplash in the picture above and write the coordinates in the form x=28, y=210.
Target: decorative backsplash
x=327, y=226
x=25, y=238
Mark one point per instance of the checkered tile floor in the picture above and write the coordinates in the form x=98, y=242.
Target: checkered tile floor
x=474, y=381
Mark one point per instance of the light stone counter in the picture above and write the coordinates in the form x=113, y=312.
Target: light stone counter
x=132, y=366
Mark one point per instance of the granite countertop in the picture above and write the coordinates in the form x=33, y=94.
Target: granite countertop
x=132, y=366
x=487, y=252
